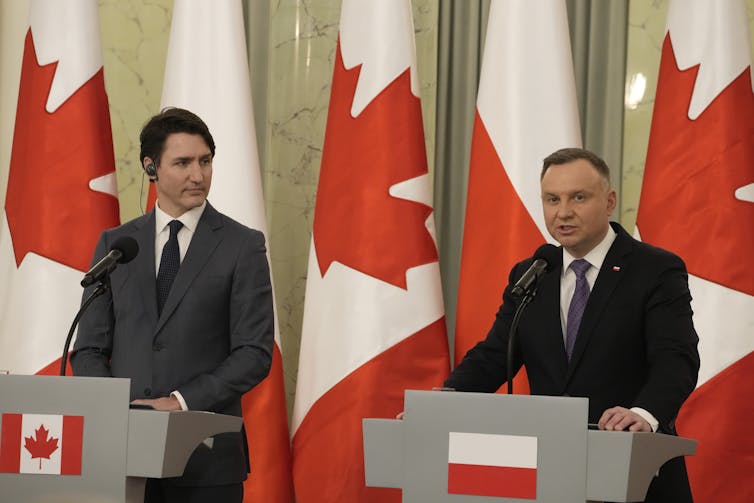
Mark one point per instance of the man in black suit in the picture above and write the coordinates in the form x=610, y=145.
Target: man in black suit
x=190, y=319
x=631, y=347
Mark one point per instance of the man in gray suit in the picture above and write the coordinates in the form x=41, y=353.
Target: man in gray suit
x=190, y=319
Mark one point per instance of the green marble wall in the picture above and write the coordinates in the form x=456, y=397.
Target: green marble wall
x=134, y=46
x=294, y=76
x=646, y=32
x=291, y=71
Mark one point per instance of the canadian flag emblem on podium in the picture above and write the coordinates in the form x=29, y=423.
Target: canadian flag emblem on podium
x=41, y=444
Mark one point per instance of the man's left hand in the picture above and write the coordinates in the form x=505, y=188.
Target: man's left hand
x=621, y=419
x=164, y=403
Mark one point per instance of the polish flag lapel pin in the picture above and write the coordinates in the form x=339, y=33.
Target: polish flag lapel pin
x=616, y=268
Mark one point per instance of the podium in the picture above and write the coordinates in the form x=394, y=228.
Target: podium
x=74, y=439
x=485, y=448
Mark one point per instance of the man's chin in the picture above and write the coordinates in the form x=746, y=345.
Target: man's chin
x=567, y=242
x=195, y=201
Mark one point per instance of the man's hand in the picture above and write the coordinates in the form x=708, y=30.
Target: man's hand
x=621, y=419
x=164, y=403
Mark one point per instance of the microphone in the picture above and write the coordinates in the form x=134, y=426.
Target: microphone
x=123, y=250
x=544, y=257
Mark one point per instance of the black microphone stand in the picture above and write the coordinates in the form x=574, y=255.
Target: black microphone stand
x=102, y=287
x=525, y=300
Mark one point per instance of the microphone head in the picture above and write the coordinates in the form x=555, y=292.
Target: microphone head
x=128, y=248
x=549, y=253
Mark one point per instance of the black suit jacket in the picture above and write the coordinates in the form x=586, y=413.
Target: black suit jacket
x=636, y=345
x=212, y=342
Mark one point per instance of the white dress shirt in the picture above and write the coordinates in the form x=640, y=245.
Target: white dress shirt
x=190, y=220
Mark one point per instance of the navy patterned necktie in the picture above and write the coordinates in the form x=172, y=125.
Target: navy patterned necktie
x=578, y=303
x=170, y=262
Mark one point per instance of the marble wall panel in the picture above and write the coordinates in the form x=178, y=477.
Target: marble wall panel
x=296, y=74
x=646, y=31
x=134, y=46
x=303, y=37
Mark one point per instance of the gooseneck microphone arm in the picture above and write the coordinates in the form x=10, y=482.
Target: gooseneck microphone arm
x=524, y=290
x=528, y=296
x=122, y=251
x=102, y=287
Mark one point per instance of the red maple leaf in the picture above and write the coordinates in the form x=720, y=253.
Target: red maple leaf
x=693, y=170
x=356, y=221
x=41, y=447
x=50, y=208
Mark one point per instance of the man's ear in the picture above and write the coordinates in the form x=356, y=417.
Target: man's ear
x=150, y=169
x=612, y=201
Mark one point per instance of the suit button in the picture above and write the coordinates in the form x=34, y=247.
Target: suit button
x=157, y=347
x=147, y=391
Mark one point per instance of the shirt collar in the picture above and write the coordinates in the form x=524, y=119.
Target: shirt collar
x=597, y=255
x=190, y=219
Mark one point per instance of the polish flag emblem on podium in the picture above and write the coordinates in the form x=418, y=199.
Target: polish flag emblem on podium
x=482, y=464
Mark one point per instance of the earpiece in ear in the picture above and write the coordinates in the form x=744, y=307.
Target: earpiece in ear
x=151, y=172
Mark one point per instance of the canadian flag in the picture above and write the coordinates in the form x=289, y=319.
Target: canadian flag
x=61, y=185
x=483, y=464
x=221, y=95
x=374, y=322
x=698, y=200
x=526, y=109
x=41, y=444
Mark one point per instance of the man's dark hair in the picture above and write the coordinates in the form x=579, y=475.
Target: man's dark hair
x=169, y=121
x=566, y=155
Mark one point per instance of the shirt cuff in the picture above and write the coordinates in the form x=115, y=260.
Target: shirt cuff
x=179, y=397
x=645, y=415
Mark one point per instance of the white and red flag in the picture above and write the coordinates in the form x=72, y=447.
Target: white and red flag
x=374, y=321
x=61, y=183
x=697, y=200
x=209, y=75
x=41, y=444
x=501, y=466
x=526, y=109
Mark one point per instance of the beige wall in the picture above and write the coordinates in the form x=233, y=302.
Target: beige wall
x=646, y=33
x=291, y=67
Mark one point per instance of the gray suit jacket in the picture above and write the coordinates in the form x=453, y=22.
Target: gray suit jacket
x=212, y=343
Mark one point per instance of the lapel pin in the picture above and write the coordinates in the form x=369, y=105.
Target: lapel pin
x=616, y=268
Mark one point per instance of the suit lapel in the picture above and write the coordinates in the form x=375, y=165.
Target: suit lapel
x=203, y=243
x=608, y=279
x=143, y=266
x=549, y=293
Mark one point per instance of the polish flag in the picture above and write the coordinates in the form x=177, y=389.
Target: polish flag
x=218, y=90
x=61, y=184
x=526, y=109
x=41, y=444
x=501, y=466
x=374, y=323
x=697, y=200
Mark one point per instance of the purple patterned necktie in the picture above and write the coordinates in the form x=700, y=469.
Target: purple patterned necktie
x=170, y=262
x=578, y=303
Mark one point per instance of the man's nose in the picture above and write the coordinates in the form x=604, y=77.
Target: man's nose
x=195, y=172
x=565, y=209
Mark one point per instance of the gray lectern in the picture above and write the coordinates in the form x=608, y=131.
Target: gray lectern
x=74, y=439
x=485, y=448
